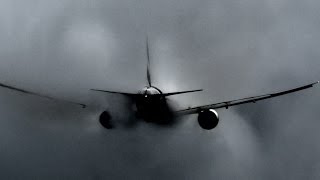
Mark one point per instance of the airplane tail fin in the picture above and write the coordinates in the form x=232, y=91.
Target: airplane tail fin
x=148, y=63
x=149, y=74
x=148, y=77
x=148, y=80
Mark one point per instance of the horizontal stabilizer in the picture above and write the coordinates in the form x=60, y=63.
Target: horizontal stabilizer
x=181, y=92
x=114, y=92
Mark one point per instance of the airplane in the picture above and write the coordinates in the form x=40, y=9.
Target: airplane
x=152, y=105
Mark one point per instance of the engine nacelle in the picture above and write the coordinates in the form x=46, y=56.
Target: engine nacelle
x=105, y=120
x=208, y=119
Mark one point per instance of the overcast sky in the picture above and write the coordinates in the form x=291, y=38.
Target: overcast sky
x=232, y=49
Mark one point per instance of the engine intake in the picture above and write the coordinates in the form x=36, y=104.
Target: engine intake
x=208, y=119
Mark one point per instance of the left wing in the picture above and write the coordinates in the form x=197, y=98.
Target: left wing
x=38, y=94
x=252, y=99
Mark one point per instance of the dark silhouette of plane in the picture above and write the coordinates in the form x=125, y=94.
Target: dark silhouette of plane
x=152, y=106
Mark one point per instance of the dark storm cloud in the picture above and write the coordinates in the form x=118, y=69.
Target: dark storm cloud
x=231, y=49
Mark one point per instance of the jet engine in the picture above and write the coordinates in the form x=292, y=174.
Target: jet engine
x=105, y=120
x=208, y=119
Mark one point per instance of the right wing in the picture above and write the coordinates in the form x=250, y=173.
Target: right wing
x=252, y=99
x=38, y=94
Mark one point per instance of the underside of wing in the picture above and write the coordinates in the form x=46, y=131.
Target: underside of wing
x=38, y=94
x=252, y=99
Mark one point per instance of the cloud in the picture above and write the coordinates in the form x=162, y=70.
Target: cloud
x=231, y=49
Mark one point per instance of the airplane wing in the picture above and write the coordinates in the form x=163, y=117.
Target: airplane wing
x=252, y=99
x=38, y=94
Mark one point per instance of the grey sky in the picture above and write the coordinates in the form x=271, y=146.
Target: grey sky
x=232, y=49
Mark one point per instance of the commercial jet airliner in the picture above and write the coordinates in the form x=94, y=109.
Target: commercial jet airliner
x=151, y=103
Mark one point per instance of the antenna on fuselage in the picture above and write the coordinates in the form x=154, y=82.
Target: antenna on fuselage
x=148, y=63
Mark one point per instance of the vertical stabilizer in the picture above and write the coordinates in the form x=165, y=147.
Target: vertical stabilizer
x=148, y=63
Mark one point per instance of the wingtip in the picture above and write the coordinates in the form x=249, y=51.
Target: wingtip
x=197, y=90
x=83, y=106
x=314, y=83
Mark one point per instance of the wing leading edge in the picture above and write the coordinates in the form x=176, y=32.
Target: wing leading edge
x=252, y=99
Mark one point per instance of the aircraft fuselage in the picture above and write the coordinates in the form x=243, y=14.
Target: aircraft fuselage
x=152, y=106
